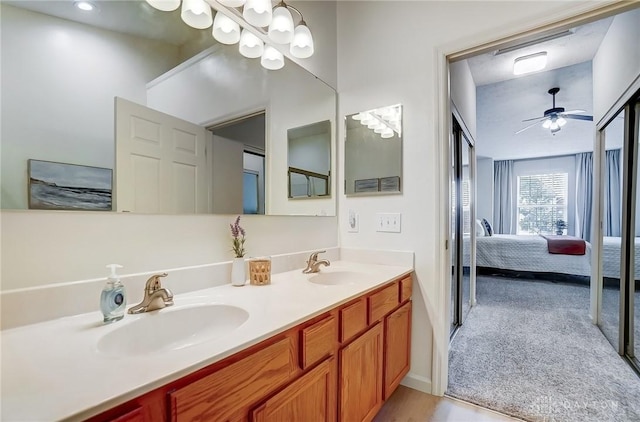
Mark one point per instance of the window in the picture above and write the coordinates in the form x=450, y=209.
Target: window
x=542, y=203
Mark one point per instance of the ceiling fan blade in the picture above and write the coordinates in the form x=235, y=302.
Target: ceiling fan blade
x=535, y=118
x=577, y=117
x=527, y=127
x=574, y=111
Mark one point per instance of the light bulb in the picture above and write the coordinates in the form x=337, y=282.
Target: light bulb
x=257, y=12
x=281, y=26
x=251, y=46
x=225, y=30
x=196, y=14
x=85, y=6
x=302, y=43
x=272, y=59
x=164, y=5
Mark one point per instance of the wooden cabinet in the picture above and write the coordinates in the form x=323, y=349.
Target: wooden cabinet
x=311, y=398
x=360, y=385
x=397, y=347
x=340, y=365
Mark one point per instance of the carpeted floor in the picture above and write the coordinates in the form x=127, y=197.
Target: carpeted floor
x=528, y=349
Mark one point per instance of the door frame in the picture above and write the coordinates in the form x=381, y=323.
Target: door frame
x=572, y=15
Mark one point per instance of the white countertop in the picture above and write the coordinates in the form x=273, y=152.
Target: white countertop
x=54, y=371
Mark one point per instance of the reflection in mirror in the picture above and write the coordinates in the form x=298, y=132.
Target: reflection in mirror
x=373, y=151
x=309, y=160
x=62, y=69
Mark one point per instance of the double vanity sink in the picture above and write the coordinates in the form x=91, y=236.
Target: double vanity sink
x=89, y=367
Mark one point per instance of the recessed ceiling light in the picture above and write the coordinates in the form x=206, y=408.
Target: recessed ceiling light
x=85, y=5
x=530, y=63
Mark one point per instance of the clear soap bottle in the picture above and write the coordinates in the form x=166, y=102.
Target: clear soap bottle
x=113, y=299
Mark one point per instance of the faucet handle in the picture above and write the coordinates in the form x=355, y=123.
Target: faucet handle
x=153, y=283
x=314, y=256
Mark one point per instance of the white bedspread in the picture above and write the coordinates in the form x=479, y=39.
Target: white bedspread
x=526, y=253
x=611, y=257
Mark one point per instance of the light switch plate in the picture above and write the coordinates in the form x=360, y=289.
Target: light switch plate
x=388, y=222
x=353, y=225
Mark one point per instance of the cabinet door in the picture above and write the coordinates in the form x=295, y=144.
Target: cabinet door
x=360, y=384
x=310, y=398
x=397, y=347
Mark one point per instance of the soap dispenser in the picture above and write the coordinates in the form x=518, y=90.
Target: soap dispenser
x=113, y=299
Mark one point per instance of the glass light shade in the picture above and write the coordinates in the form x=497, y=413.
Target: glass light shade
x=360, y=116
x=302, y=43
x=225, y=30
x=562, y=121
x=232, y=3
x=530, y=63
x=196, y=14
x=386, y=134
x=164, y=5
x=281, y=26
x=546, y=124
x=272, y=59
x=368, y=119
x=257, y=12
x=251, y=46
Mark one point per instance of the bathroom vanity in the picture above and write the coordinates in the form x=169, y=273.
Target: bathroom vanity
x=330, y=346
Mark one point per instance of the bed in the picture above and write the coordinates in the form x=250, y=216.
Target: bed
x=524, y=253
x=611, y=257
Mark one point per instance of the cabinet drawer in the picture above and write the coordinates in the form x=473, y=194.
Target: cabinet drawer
x=353, y=320
x=317, y=341
x=218, y=396
x=406, y=287
x=383, y=302
x=132, y=416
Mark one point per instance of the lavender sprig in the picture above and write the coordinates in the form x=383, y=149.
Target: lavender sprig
x=238, y=234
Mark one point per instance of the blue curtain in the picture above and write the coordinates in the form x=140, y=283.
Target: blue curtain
x=584, y=194
x=503, y=197
x=612, y=194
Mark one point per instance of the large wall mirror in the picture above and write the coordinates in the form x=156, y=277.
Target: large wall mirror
x=373, y=152
x=69, y=78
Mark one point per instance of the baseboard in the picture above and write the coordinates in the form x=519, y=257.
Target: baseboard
x=417, y=382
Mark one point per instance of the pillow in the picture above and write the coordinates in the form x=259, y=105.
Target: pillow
x=488, y=231
x=479, y=228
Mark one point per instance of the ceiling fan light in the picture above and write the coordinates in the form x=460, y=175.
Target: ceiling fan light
x=302, y=43
x=272, y=59
x=281, y=26
x=232, y=3
x=546, y=124
x=225, y=30
x=561, y=121
x=164, y=5
x=257, y=12
x=251, y=46
x=196, y=14
x=530, y=63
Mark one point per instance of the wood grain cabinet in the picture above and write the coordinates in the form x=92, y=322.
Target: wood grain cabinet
x=338, y=366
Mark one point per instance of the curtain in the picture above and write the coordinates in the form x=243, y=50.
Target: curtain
x=584, y=194
x=612, y=194
x=503, y=197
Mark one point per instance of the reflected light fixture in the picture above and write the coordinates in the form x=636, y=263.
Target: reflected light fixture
x=257, y=12
x=197, y=14
x=164, y=5
x=251, y=46
x=530, y=63
x=225, y=30
x=85, y=6
x=385, y=121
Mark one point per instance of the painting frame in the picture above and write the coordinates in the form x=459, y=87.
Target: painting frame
x=54, y=185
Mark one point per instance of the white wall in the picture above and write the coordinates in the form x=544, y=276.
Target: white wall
x=463, y=94
x=484, y=186
x=397, y=63
x=617, y=63
x=59, y=79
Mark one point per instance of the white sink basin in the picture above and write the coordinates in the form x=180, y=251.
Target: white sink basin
x=335, y=278
x=171, y=329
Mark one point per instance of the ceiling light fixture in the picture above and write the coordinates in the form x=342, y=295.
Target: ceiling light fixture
x=281, y=28
x=85, y=6
x=530, y=63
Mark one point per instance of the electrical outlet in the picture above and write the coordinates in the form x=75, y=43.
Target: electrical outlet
x=353, y=223
x=388, y=222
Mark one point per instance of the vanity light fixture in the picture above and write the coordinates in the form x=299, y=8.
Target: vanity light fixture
x=384, y=121
x=85, y=6
x=278, y=20
x=530, y=63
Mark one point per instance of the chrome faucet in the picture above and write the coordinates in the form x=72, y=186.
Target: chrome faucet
x=313, y=265
x=155, y=296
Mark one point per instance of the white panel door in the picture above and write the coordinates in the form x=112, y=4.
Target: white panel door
x=161, y=164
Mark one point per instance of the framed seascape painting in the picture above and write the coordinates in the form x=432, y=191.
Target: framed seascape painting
x=60, y=186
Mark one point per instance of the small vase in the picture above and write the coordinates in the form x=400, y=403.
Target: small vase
x=238, y=274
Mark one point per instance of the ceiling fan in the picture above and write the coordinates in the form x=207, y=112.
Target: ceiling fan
x=555, y=117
